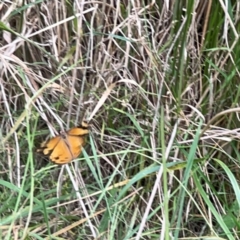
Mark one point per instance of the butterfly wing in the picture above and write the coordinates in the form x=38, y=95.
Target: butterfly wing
x=57, y=150
x=48, y=146
x=75, y=139
x=80, y=131
x=75, y=145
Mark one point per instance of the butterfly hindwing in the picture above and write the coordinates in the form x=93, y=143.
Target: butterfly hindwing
x=76, y=146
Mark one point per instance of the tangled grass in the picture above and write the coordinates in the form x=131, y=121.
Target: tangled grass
x=158, y=83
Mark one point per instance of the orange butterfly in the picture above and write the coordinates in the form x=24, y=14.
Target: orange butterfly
x=67, y=146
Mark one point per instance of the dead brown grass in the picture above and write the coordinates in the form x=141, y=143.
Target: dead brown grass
x=116, y=64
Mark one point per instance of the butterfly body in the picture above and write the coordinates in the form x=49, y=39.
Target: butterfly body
x=66, y=146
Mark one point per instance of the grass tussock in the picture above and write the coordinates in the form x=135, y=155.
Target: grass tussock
x=157, y=82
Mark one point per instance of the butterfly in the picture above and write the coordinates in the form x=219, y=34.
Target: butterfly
x=66, y=146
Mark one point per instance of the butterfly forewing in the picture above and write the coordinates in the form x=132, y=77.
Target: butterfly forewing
x=78, y=131
x=48, y=146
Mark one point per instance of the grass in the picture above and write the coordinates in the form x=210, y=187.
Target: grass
x=158, y=83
